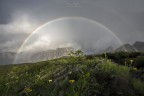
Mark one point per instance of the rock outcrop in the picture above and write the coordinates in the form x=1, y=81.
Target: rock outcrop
x=126, y=48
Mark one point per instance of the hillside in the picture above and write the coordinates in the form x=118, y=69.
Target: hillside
x=76, y=75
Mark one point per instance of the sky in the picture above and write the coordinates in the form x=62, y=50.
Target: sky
x=19, y=18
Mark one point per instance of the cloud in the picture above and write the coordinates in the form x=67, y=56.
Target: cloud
x=16, y=31
x=71, y=32
x=18, y=18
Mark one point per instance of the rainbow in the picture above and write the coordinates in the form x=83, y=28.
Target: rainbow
x=49, y=22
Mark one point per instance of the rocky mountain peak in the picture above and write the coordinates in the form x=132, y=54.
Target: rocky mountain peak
x=139, y=45
x=126, y=48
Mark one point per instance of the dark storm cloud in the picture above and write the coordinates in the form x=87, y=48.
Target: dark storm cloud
x=4, y=13
x=123, y=17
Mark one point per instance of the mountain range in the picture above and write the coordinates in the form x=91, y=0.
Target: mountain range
x=136, y=47
x=8, y=57
x=50, y=54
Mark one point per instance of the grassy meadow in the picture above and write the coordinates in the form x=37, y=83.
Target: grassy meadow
x=109, y=74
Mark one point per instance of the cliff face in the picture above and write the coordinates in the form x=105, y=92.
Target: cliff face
x=139, y=45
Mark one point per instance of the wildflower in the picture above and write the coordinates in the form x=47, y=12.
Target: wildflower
x=109, y=60
x=17, y=77
x=38, y=76
x=135, y=69
x=71, y=81
x=27, y=89
x=7, y=83
x=88, y=75
x=50, y=80
x=70, y=72
x=131, y=61
x=105, y=55
x=16, y=80
x=125, y=63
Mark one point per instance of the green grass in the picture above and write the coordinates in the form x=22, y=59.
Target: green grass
x=76, y=75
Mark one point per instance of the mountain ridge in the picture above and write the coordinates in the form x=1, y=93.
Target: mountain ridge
x=8, y=57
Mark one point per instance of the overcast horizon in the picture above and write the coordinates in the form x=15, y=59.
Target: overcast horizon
x=19, y=18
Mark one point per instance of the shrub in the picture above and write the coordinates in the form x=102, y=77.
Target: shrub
x=114, y=69
x=113, y=79
x=139, y=62
x=138, y=85
x=90, y=56
x=134, y=54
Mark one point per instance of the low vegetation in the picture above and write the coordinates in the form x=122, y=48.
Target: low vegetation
x=111, y=74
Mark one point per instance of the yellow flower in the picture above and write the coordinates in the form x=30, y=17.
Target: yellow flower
x=71, y=81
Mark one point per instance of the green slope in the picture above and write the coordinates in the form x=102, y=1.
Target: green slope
x=71, y=76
